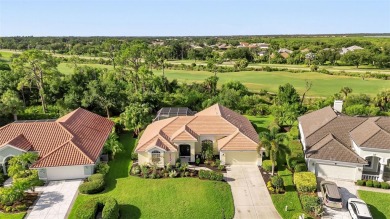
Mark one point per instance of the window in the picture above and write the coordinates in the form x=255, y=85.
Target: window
x=156, y=156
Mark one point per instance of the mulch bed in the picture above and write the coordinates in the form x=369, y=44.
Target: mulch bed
x=28, y=200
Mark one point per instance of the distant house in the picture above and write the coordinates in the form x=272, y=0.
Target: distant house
x=196, y=47
x=285, y=53
x=305, y=50
x=158, y=43
x=231, y=135
x=344, y=147
x=68, y=147
x=224, y=47
x=262, y=53
x=263, y=45
x=349, y=49
x=243, y=44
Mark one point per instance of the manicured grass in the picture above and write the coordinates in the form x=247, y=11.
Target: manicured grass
x=161, y=198
x=377, y=202
x=323, y=85
x=289, y=198
x=66, y=68
x=12, y=216
x=262, y=122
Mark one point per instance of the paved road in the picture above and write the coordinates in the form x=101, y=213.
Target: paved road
x=55, y=201
x=251, y=198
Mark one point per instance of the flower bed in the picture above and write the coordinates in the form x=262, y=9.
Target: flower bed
x=21, y=206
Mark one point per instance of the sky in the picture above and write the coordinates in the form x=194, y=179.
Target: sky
x=191, y=17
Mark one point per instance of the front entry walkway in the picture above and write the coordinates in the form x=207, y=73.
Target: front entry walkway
x=55, y=200
x=250, y=194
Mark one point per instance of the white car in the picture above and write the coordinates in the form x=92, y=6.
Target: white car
x=358, y=209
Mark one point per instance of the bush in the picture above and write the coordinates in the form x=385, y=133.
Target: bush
x=369, y=183
x=197, y=161
x=134, y=156
x=267, y=165
x=211, y=175
x=301, y=167
x=293, y=161
x=102, y=168
x=309, y=202
x=217, y=162
x=376, y=184
x=221, y=167
x=270, y=187
x=1, y=179
x=88, y=210
x=361, y=183
x=385, y=185
x=95, y=184
x=173, y=174
x=305, y=181
x=136, y=170
x=277, y=182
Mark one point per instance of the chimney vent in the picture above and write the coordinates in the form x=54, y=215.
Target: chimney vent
x=338, y=106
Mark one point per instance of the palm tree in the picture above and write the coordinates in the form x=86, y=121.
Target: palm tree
x=273, y=143
x=112, y=144
x=346, y=91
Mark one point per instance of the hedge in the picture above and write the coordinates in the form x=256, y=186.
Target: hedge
x=108, y=206
x=305, y=181
x=267, y=165
x=211, y=175
x=369, y=183
x=293, y=161
x=309, y=202
x=95, y=184
x=301, y=167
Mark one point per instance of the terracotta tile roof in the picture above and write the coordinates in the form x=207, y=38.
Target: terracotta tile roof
x=329, y=148
x=215, y=120
x=236, y=142
x=311, y=122
x=20, y=142
x=80, y=128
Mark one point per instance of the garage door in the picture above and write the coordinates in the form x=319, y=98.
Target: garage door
x=335, y=172
x=66, y=172
x=241, y=157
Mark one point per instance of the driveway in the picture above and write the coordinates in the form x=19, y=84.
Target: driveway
x=55, y=200
x=347, y=190
x=250, y=194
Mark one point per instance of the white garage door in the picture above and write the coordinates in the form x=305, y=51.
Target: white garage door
x=66, y=172
x=335, y=172
x=241, y=157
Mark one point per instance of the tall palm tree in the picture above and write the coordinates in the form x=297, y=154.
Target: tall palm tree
x=274, y=145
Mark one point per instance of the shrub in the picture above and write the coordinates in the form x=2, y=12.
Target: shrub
x=376, y=184
x=197, y=161
x=168, y=167
x=136, y=170
x=213, y=164
x=211, y=175
x=369, y=183
x=88, y=210
x=305, y=181
x=270, y=187
x=361, y=183
x=301, y=167
x=173, y=174
x=204, y=174
x=385, y=185
x=217, y=162
x=102, y=168
x=293, y=161
x=21, y=207
x=1, y=179
x=95, y=184
x=221, y=167
x=309, y=202
x=267, y=165
x=134, y=156
x=177, y=165
x=277, y=182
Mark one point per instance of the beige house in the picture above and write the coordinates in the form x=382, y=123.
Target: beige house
x=232, y=135
x=345, y=147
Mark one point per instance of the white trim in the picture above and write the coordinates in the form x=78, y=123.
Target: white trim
x=241, y=150
x=374, y=149
x=8, y=145
x=337, y=163
x=155, y=148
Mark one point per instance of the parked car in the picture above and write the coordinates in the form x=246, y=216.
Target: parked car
x=358, y=209
x=331, y=195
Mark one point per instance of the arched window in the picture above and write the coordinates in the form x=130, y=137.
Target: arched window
x=156, y=156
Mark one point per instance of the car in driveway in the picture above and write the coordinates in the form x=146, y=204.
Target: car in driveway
x=358, y=209
x=331, y=195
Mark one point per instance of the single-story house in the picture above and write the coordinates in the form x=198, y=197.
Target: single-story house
x=68, y=147
x=232, y=136
x=345, y=147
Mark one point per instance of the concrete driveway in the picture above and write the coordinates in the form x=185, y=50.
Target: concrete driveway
x=347, y=190
x=250, y=194
x=55, y=200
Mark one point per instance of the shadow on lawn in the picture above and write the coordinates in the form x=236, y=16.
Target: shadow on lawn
x=130, y=211
x=375, y=212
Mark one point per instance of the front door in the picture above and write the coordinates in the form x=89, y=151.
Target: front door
x=185, y=150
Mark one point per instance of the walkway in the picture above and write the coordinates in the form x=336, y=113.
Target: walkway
x=250, y=194
x=371, y=189
x=55, y=201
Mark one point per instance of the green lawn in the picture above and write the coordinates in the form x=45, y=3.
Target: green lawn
x=289, y=198
x=262, y=122
x=323, y=85
x=377, y=202
x=161, y=198
x=12, y=216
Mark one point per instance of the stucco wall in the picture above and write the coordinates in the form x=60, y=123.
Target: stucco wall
x=8, y=151
x=366, y=152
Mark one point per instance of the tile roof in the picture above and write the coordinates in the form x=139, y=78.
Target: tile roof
x=340, y=130
x=20, y=142
x=74, y=139
x=215, y=120
x=329, y=148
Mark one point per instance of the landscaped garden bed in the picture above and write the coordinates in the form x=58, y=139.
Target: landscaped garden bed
x=373, y=183
x=22, y=205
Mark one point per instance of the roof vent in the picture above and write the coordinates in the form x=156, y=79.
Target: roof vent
x=338, y=106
